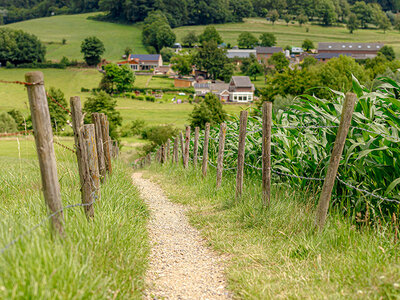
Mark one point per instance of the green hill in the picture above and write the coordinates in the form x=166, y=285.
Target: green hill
x=74, y=28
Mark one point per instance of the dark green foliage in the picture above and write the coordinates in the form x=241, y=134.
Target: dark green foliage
x=267, y=39
x=209, y=110
x=127, y=51
x=7, y=123
x=254, y=69
x=18, y=47
x=92, y=49
x=101, y=102
x=325, y=10
x=18, y=118
x=157, y=32
x=157, y=135
x=210, y=34
x=308, y=45
x=58, y=116
x=117, y=79
x=247, y=40
x=279, y=61
x=247, y=62
x=167, y=54
x=240, y=9
x=388, y=52
x=182, y=64
x=273, y=16
x=227, y=72
x=190, y=39
x=308, y=61
x=353, y=23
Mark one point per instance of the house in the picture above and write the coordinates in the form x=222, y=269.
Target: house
x=297, y=50
x=263, y=53
x=143, y=62
x=202, y=88
x=239, y=54
x=327, y=51
x=220, y=89
x=164, y=70
x=241, y=89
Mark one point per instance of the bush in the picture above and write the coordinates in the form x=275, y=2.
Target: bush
x=140, y=98
x=209, y=110
x=36, y=65
x=7, y=123
x=157, y=135
x=84, y=90
x=151, y=98
x=18, y=118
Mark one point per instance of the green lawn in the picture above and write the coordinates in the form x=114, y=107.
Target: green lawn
x=75, y=28
x=294, y=35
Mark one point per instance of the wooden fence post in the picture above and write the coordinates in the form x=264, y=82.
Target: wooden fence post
x=182, y=148
x=266, y=153
x=168, y=150
x=187, y=145
x=196, y=145
x=176, y=152
x=345, y=122
x=45, y=149
x=105, y=130
x=81, y=153
x=205, y=149
x=241, y=152
x=96, y=119
x=149, y=159
x=221, y=150
x=164, y=153
x=89, y=137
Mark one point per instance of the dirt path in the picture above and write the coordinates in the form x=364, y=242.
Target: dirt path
x=181, y=266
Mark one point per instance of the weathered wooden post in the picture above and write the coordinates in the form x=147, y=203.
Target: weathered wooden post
x=205, y=149
x=149, y=159
x=176, y=151
x=196, y=145
x=168, y=150
x=345, y=122
x=45, y=149
x=105, y=129
x=266, y=153
x=182, y=147
x=164, y=153
x=89, y=137
x=96, y=119
x=81, y=153
x=221, y=150
x=187, y=145
x=241, y=153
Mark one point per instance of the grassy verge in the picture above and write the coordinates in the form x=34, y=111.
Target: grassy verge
x=102, y=259
x=275, y=253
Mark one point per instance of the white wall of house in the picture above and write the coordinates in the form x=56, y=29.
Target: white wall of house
x=240, y=97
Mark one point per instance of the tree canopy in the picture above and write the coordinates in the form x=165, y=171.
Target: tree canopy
x=92, y=49
x=208, y=111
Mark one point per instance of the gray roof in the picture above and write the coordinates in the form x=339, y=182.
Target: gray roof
x=240, y=53
x=145, y=57
x=242, y=81
x=268, y=50
x=219, y=87
x=350, y=46
x=353, y=55
x=202, y=85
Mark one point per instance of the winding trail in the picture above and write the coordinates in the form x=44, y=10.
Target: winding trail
x=181, y=266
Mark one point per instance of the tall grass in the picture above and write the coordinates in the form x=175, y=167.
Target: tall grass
x=102, y=259
x=274, y=253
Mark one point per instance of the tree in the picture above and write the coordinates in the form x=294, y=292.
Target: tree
x=210, y=34
x=7, y=123
x=384, y=23
x=397, y=23
x=353, y=23
x=247, y=40
x=167, y=54
x=165, y=37
x=254, y=69
x=190, y=39
x=58, y=115
x=363, y=13
x=240, y=9
x=182, y=64
x=247, y=62
x=157, y=32
x=308, y=61
x=227, y=72
x=127, y=51
x=308, y=44
x=18, y=47
x=92, y=49
x=101, y=102
x=267, y=39
x=326, y=12
x=117, y=79
x=388, y=52
x=208, y=111
x=302, y=19
x=18, y=118
x=211, y=59
x=278, y=60
x=287, y=19
x=273, y=16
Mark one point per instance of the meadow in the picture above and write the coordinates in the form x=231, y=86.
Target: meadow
x=75, y=28
x=104, y=258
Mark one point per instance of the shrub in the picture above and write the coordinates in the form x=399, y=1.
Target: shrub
x=84, y=90
x=7, y=123
x=209, y=110
x=157, y=135
x=151, y=98
x=140, y=98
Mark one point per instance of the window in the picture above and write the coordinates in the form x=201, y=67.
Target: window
x=368, y=46
x=329, y=47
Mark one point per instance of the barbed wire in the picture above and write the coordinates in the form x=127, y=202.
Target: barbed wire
x=366, y=192
x=20, y=82
x=59, y=104
x=25, y=132
x=306, y=126
x=65, y=147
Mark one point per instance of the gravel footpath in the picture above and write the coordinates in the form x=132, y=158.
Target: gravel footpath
x=181, y=266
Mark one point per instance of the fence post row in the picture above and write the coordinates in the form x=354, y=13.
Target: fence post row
x=205, y=149
x=187, y=145
x=89, y=137
x=175, y=151
x=81, y=153
x=221, y=150
x=105, y=130
x=96, y=119
x=266, y=153
x=45, y=149
x=345, y=122
x=196, y=145
x=182, y=147
x=241, y=153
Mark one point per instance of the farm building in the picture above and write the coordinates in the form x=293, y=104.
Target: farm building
x=241, y=89
x=327, y=51
x=263, y=53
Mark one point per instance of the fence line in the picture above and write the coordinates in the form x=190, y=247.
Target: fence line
x=25, y=132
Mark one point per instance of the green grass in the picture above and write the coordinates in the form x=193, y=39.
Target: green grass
x=294, y=35
x=75, y=28
x=102, y=259
x=274, y=253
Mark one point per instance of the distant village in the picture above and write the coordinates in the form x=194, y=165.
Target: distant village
x=240, y=89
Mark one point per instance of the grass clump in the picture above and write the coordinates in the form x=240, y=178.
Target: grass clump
x=101, y=259
x=275, y=252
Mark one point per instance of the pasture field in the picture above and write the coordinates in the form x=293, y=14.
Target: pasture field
x=104, y=258
x=75, y=28
x=294, y=35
